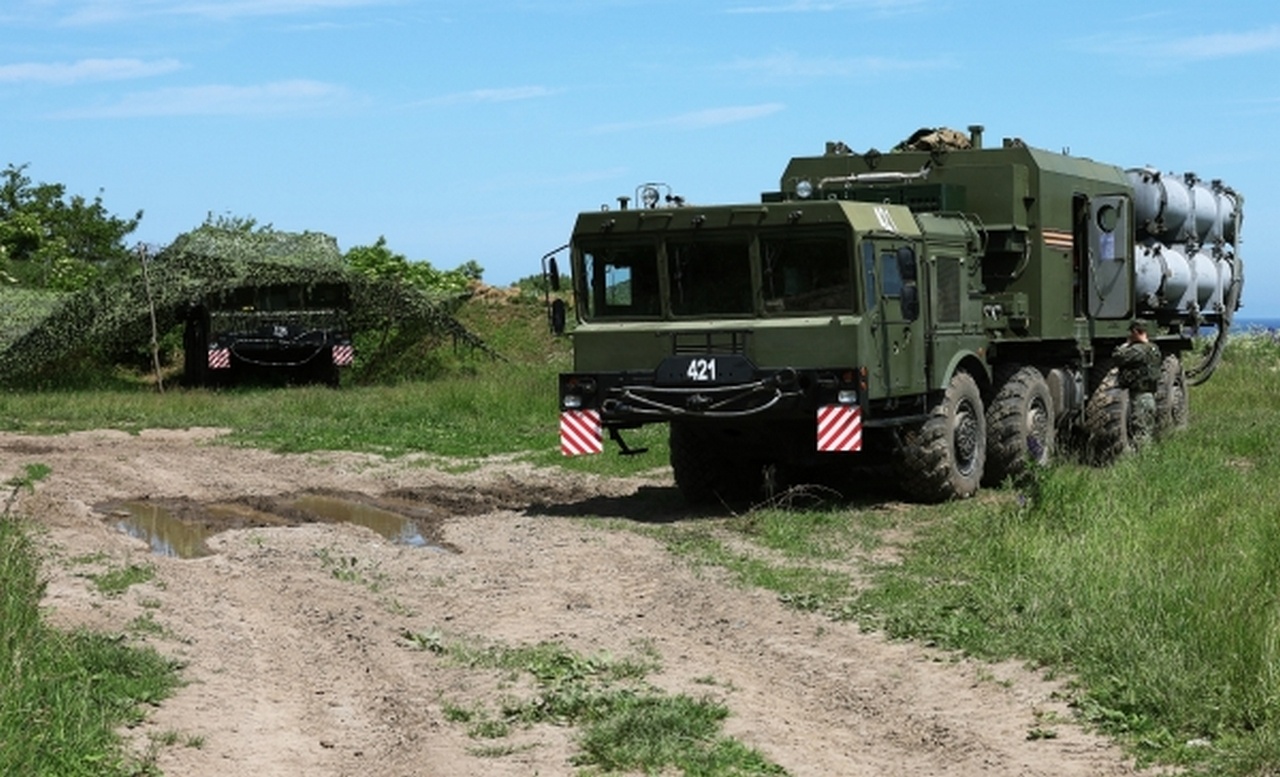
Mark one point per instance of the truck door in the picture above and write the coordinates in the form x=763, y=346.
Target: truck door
x=1110, y=259
x=895, y=305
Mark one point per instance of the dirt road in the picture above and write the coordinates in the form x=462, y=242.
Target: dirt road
x=292, y=634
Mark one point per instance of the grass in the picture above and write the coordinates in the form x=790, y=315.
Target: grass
x=117, y=580
x=64, y=695
x=624, y=724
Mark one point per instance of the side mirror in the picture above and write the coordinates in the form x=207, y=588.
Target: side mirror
x=557, y=316
x=907, y=263
x=553, y=274
x=910, y=301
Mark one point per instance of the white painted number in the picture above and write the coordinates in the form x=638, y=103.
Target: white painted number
x=701, y=370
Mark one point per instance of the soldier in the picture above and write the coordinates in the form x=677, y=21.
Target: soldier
x=1138, y=360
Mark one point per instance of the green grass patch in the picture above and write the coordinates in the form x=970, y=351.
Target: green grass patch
x=804, y=587
x=64, y=695
x=116, y=581
x=625, y=725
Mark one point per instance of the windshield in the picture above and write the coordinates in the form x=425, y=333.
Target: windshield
x=805, y=274
x=705, y=275
x=622, y=281
x=710, y=277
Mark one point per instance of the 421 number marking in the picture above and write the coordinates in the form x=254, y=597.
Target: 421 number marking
x=701, y=370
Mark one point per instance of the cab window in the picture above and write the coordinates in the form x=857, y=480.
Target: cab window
x=710, y=277
x=806, y=274
x=622, y=281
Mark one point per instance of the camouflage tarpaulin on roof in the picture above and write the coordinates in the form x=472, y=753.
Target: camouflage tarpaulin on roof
x=115, y=316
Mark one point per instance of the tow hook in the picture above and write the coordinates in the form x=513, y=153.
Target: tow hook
x=698, y=402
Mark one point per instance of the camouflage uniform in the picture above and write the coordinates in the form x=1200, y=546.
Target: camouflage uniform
x=1139, y=365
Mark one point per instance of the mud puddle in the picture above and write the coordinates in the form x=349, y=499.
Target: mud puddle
x=180, y=527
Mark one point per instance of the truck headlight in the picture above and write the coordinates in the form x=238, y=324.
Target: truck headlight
x=572, y=401
x=804, y=189
x=847, y=397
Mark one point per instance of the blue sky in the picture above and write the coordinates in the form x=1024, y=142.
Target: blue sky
x=475, y=129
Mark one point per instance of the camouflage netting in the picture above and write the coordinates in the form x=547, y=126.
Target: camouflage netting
x=935, y=139
x=37, y=332
x=21, y=310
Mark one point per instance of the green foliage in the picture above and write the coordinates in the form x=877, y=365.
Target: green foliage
x=64, y=695
x=51, y=241
x=378, y=261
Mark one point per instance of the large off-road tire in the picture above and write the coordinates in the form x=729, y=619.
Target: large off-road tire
x=1173, y=408
x=1020, y=426
x=707, y=470
x=944, y=457
x=1106, y=421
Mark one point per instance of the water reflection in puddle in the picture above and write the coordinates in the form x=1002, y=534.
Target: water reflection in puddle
x=166, y=535
x=392, y=526
x=185, y=537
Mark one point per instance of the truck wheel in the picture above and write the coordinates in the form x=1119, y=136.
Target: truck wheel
x=1106, y=421
x=706, y=470
x=944, y=457
x=1173, y=407
x=1020, y=426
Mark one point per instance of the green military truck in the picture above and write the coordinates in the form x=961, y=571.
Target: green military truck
x=946, y=310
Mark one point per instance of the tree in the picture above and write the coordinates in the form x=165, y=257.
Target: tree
x=49, y=240
x=378, y=261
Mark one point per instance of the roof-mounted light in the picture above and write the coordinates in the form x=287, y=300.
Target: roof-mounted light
x=649, y=196
x=804, y=188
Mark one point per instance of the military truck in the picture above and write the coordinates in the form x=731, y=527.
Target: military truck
x=944, y=311
x=297, y=332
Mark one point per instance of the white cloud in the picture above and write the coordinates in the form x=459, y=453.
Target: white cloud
x=280, y=97
x=1167, y=51
x=91, y=12
x=711, y=117
x=790, y=65
x=828, y=6
x=500, y=95
x=85, y=70
x=1220, y=45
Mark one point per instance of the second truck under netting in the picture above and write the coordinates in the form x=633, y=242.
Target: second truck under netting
x=945, y=309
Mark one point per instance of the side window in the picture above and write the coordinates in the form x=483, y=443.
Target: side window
x=890, y=274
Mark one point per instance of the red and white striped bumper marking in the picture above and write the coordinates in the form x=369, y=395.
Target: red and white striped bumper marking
x=580, y=432
x=219, y=358
x=343, y=355
x=839, y=428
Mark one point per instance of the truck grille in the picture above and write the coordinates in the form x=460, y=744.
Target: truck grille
x=709, y=342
